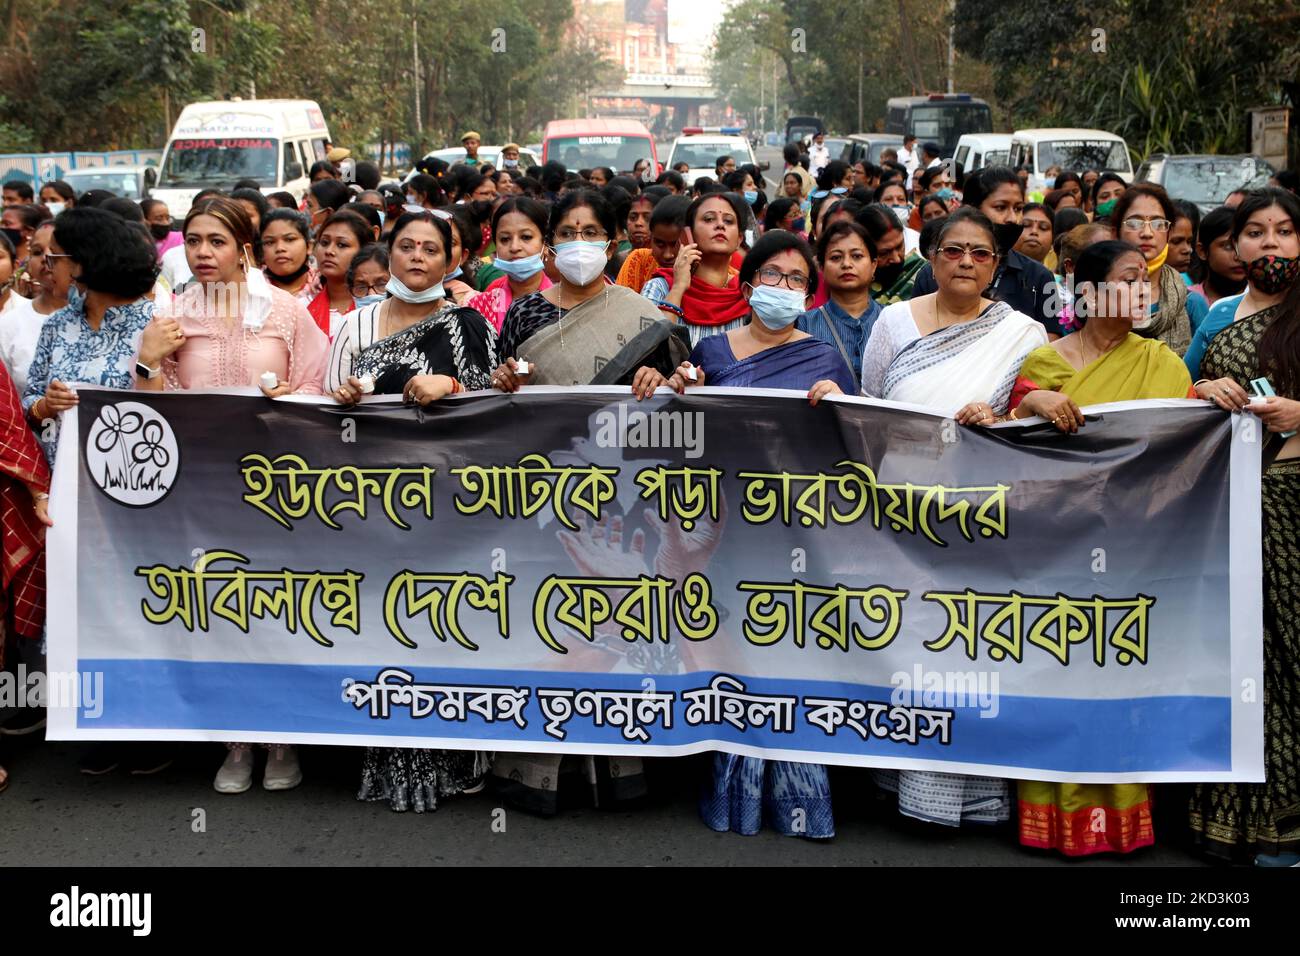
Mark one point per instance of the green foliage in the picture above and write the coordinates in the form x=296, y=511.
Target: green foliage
x=95, y=74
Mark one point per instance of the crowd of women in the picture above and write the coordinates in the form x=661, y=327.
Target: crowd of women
x=938, y=289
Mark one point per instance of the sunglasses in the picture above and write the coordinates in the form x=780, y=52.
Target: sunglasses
x=979, y=255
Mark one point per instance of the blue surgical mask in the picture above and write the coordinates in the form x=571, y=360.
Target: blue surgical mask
x=775, y=307
x=520, y=269
x=945, y=194
x=76, y=298
x=751, y=196
x=396, y=287
x=839, y=191
x=381, y=218
x=455, y=274
x=372, y=299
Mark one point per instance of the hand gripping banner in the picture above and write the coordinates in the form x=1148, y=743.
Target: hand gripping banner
x=572, y=570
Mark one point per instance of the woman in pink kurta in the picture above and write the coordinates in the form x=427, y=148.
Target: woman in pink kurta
x=229, y=329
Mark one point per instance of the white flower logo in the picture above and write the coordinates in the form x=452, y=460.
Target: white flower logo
x=131, y=454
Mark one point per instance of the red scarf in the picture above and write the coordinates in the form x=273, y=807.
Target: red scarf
x=320, y=309
x=708, y=304
x=22, y=463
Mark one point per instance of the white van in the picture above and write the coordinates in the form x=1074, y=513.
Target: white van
x=216, y=144
x=977, y=150
x=1076, y=150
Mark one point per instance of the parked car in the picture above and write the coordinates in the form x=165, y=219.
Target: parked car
x=869, y=146
x=700, y=150
x=977, y=150
x=1204, y=179
x=486, y=154
x=133, y=182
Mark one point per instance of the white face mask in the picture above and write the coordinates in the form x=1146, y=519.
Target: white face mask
x=54, y=207
x=581, y=262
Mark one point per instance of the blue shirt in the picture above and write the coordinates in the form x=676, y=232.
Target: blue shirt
x=1217, y=318
x=72, y=352
x=853, y=330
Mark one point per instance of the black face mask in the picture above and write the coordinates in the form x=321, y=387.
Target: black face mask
x=160, y=230
x=888, y=275
x=13, y=235
x=1007, y=235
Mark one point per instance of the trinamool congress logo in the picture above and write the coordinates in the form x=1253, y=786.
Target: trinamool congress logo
x=131, y=454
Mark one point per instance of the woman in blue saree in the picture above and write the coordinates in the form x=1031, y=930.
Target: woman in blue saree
x=778, y=278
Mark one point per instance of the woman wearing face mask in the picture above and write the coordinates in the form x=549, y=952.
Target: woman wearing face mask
x=340, y=238
x=777, y=277
x=159, y=219
x=57, y=196
x=558, y=330
x=324, y=198
x=1144, y=216
x=893, y=196
x=703, y=288
x=286, y=260
x=518, y=231
x=896, y=267
x=1235, y=821
x=1025, y=285
x=1106, y=190
x=20, y=327
x=1263, y=239
x=368, y=275
x=419, y=344
x=1222, y=274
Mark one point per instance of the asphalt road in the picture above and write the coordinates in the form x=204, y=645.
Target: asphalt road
x=52, y=815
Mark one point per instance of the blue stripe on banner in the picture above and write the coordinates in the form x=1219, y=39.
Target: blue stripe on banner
x=1183, y=733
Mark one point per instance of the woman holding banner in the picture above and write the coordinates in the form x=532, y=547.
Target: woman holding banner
x=559, y=331
x=1103, y=360
x=232, y=328
x=956, y=351
x=1238, y=820
x=419, y=344
x=778, y=279
x=24, y=514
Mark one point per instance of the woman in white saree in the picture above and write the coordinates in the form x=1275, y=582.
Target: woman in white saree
x=959, y=353
x=954, y=350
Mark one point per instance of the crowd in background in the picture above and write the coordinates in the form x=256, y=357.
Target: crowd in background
x=910, y=281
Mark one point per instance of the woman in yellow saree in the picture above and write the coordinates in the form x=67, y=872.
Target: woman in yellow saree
x=1102, y=361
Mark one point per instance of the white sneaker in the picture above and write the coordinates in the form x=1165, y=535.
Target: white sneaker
x=282, y=770
x=236, y=773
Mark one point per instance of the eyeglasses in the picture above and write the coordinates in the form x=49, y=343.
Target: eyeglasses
x=795, y=281
x=978, y=254
x=586, y=235
x=57, y=255
x=360, y=289
x=1136, y=224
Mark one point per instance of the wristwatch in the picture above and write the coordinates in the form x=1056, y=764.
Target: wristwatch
x=145, y=372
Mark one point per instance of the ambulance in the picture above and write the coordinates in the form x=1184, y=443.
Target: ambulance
x=216, y=144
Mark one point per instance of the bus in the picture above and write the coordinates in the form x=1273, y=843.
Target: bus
x=939, y=118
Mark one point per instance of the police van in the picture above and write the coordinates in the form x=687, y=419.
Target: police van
x=216, y=144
